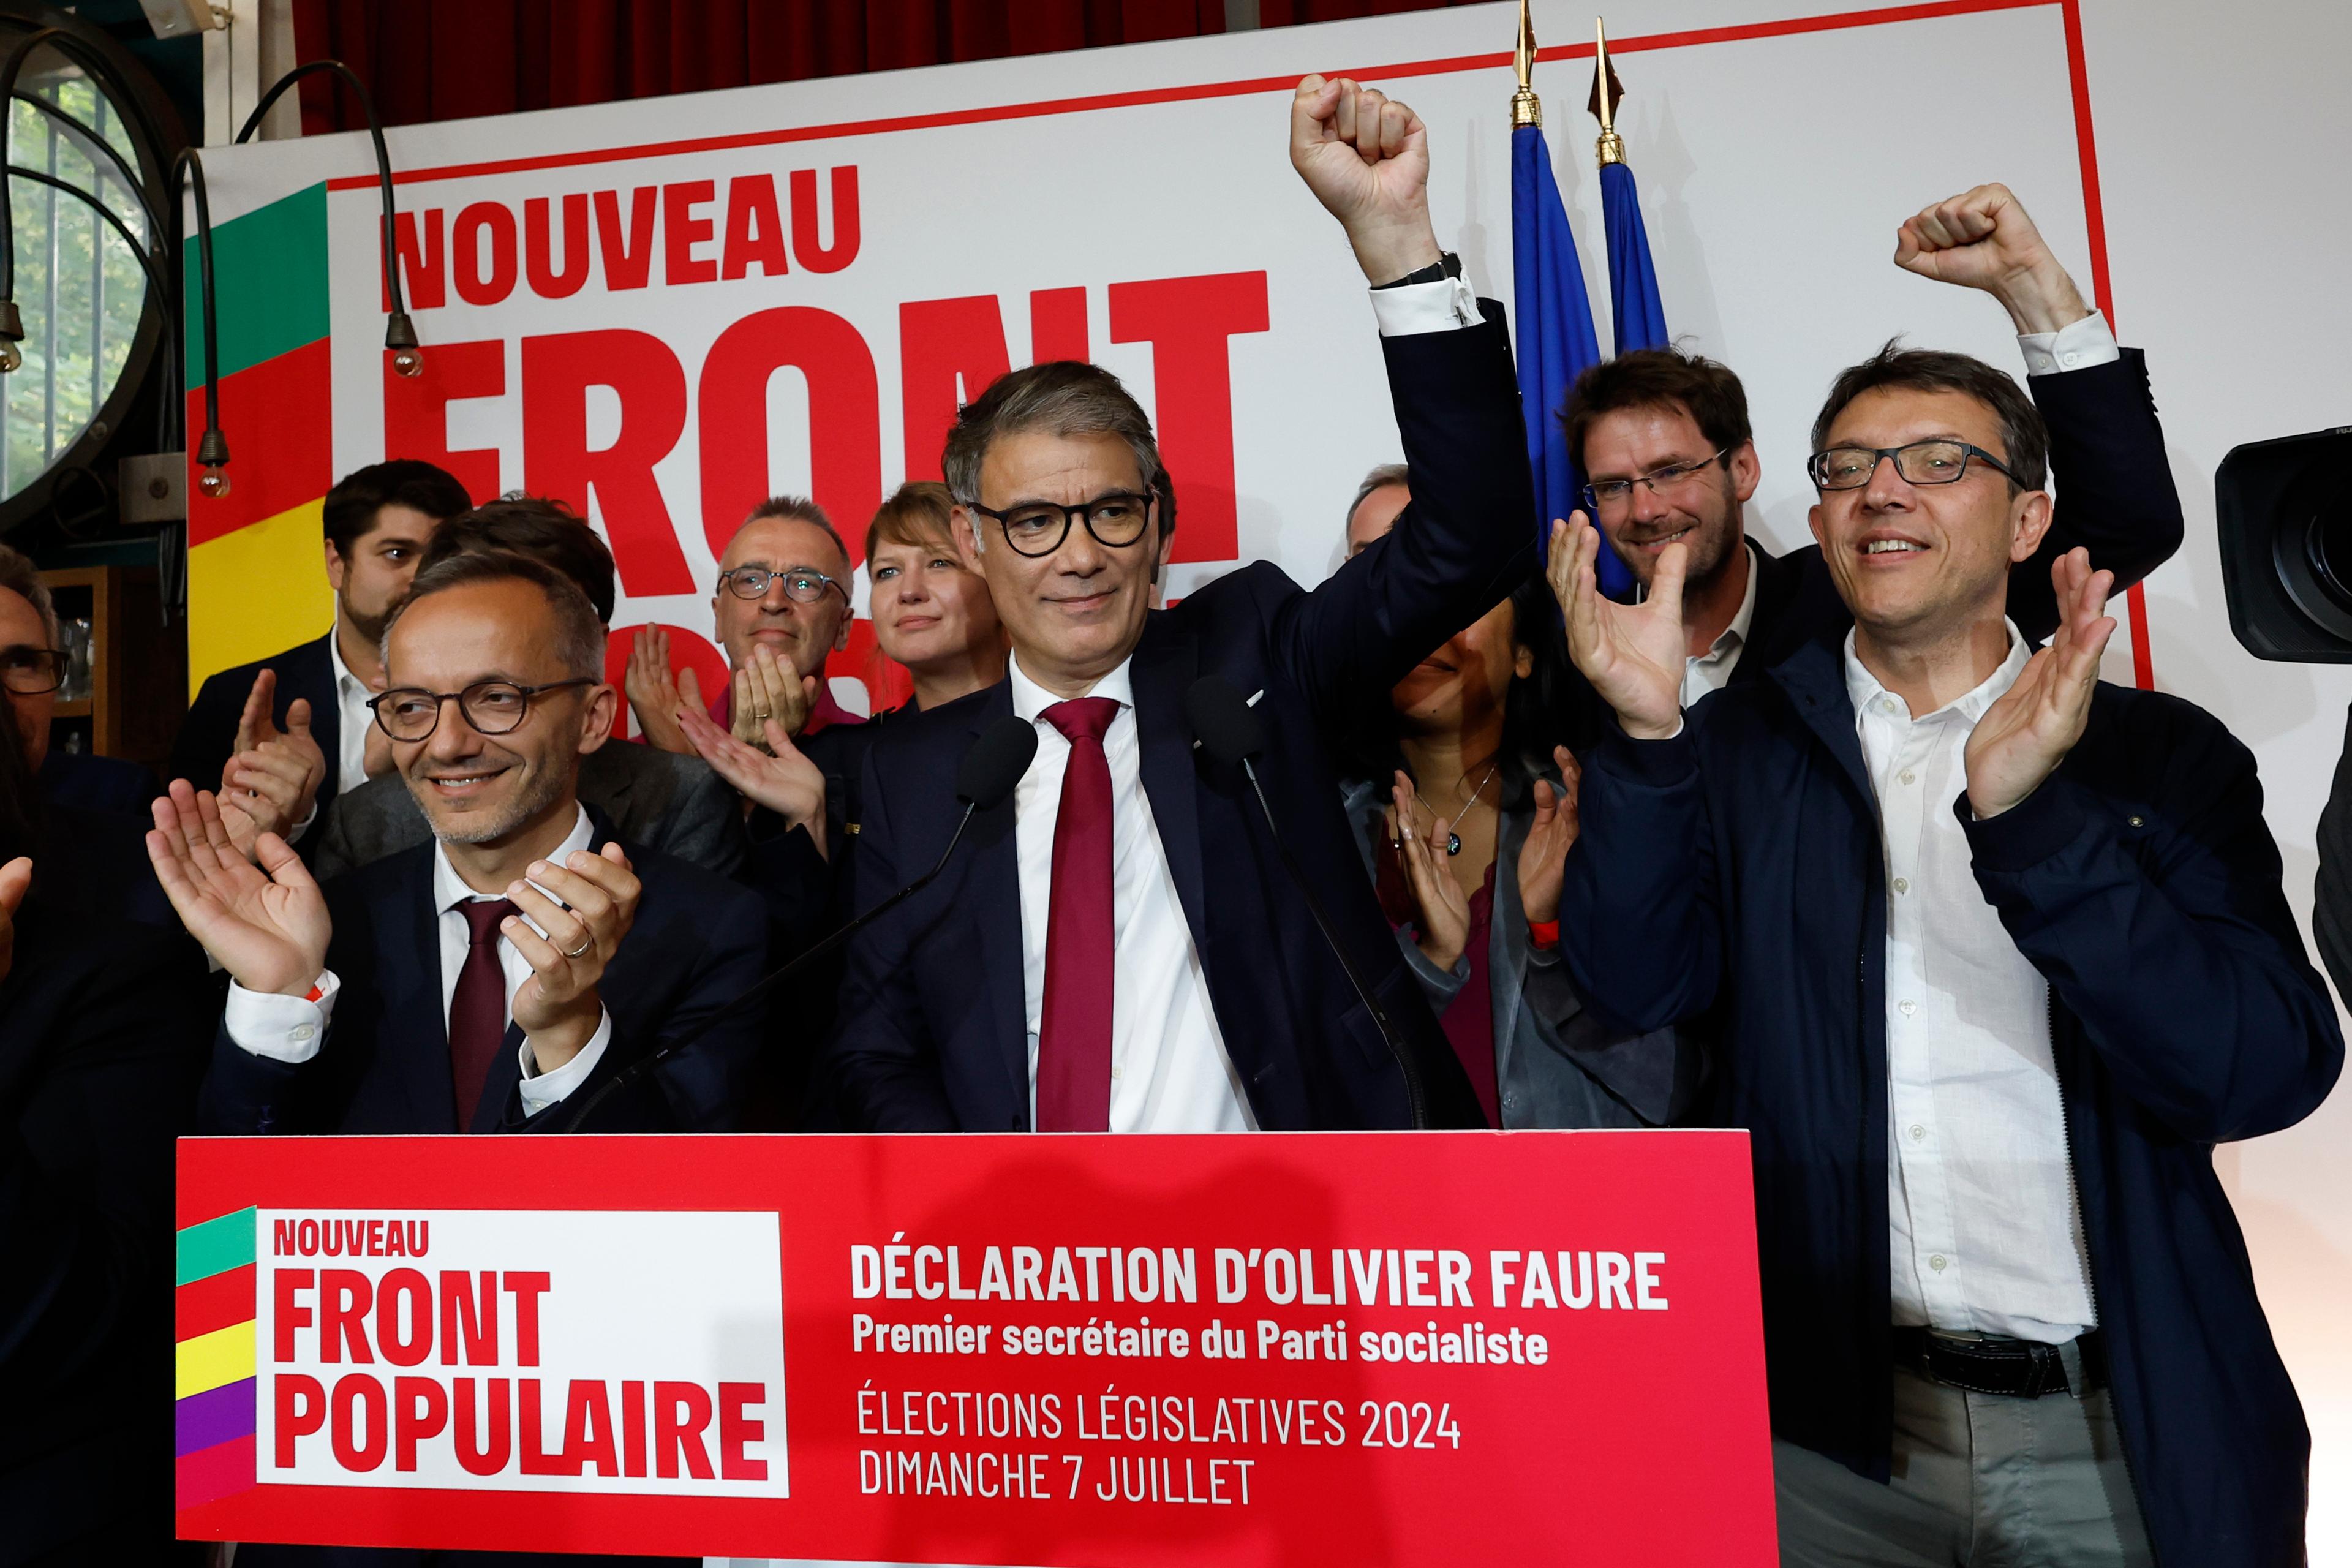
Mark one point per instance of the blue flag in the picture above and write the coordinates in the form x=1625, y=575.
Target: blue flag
x=1639, y=317
x=1555, y=337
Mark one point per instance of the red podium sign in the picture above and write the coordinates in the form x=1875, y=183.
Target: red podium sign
x=1356, y=1349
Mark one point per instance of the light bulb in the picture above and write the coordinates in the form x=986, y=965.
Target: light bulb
x=10, y=356
x=213, y=483
x=408, y=362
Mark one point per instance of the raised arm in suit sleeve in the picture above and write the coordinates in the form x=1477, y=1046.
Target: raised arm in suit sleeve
x=2331, y=905
x=1466, y=541
x=2165, y=930
x=2111, y=479
x=878, y=1068
x=1640, y=927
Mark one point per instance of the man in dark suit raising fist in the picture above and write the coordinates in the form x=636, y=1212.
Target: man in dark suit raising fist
x=1119, y=947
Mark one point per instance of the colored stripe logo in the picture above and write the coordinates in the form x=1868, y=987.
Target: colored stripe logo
x=212, y=1372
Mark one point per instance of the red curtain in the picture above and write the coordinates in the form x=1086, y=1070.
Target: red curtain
x=453, y=59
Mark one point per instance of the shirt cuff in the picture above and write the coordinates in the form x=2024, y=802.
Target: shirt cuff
x=2079, y=345
x=541, y=1089
x=278, y=1027
x=1444, y=306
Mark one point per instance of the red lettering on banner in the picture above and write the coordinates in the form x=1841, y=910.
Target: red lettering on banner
x=468, y=1319
x=344, y=1295
x=681, y=1412
x=526, y=1286
x=682, y=231
x=845, y=419
x=538, y=247
x=360, y=1437
x=288, y=1315
x=948, y=351
x=1057, y=325
x=588, y=1429
x=484, y=226
x=628, y=258
x=481, y=1458
x=424, y=270
x=416, y=412
x=632, y=1428
x=813, y=253
x=644, y=375
x=301, y=1410
x=736, y=1429
x=529, y=1413
x=420, y=1409
x=1187, y=321
x=399, y=1288
x=755, y=228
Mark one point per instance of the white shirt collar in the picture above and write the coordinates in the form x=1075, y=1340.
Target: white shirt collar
x=449, y=890
x=1030, y=699
x=1735, y=636
x=345, y=682
x=1862, y=688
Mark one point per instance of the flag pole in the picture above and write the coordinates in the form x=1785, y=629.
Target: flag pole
x=1527, y=108
x=1606, y=91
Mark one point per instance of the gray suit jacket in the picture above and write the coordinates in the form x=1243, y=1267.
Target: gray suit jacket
x=1557, y=1064
x=651, y=797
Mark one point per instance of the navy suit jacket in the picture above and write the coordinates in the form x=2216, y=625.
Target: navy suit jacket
x=933, y=1033
x=208, y=734
x=697, y=942
x=1737, y=868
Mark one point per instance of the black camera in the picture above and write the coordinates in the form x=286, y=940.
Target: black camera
x=2285, y=514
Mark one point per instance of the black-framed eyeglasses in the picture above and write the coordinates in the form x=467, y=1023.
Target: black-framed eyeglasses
x=1920, y=463
x=803, y=584
x=492, y=707
x=29, y=671
x=1117, y=519
x=1614, y=493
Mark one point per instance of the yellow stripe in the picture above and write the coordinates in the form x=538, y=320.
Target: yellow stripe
x=257, y=591
x=211, y=1360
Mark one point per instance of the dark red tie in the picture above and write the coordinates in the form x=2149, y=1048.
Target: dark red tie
x=1081, y=932
x=478, y=1008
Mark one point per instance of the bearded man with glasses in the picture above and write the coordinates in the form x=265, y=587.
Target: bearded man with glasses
x=485, y=981
x=1119, y=947
x=1663, y=438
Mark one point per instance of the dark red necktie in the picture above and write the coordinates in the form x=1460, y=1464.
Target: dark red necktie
x=1081, y=932
x=478, y=1008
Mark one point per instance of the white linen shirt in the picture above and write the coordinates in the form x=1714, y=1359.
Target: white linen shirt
x=1711, y=670
x=289, y=1028
x=1986, y=1233
x=352, y=718
x=1169, y=1069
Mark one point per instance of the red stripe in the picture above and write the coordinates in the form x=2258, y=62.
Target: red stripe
x=201, y=1306
x=1191, y=93
x=285, y=406
x=210, y=1474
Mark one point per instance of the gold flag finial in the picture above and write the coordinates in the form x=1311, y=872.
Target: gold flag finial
x=1527, y=108
x=1607, y=91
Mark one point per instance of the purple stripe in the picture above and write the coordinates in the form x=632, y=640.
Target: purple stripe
x=216, y=1415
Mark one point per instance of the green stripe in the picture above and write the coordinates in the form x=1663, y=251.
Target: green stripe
x=269, y=283
x=217, y=1246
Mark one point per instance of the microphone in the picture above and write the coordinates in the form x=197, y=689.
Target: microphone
x=1230, y=730
x=984, y=781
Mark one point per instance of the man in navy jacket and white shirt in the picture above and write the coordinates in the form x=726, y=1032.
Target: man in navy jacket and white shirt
x=1120, y=949
x=1997, y=953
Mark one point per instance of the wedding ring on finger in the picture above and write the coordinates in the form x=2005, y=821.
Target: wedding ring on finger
x=585, y=943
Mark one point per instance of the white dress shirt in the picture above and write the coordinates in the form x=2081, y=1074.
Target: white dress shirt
x=353, y=719
x=2076, y=346
x=1986, y=1231
x=1169, y=1069
x=289, y=1028
x=1711, y=670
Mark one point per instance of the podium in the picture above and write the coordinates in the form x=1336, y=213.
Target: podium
x=1314, y=1347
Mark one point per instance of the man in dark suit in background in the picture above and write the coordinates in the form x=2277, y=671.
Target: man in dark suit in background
x=655, y=798
x=377, y=521
x=501, y=977
x=1663, y=438
x=1074, y=970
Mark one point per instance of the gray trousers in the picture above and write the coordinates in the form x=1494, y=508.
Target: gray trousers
x=1981, y=1480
